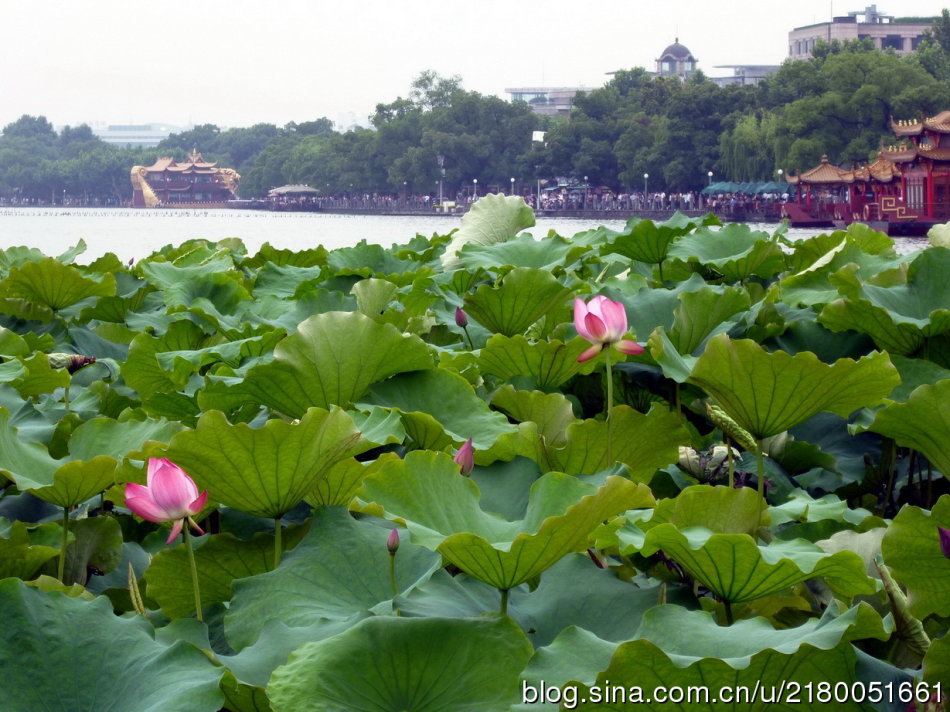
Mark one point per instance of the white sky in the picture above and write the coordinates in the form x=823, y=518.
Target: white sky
x=240, y=62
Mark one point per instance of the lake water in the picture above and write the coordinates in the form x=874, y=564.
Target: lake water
x=134, y=234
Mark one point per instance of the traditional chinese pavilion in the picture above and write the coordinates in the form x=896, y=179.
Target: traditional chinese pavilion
x=907, y=189
x=192, y=183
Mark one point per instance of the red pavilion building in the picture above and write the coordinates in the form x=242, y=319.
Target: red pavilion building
x=191, y=183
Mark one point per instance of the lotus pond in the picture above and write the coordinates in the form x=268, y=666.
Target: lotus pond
x=758, y=498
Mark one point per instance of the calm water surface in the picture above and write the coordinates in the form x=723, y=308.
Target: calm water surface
x=134, y=234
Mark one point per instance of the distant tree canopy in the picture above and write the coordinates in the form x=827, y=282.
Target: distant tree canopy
x=839, y=103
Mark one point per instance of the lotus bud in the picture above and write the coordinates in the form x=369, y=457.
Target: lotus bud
x=392, y=543
x=465, y=458
x=71, y=362
x=461, y=318
x=597, y=558
x=944, y=541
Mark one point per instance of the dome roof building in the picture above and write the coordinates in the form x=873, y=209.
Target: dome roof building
x=676, y=61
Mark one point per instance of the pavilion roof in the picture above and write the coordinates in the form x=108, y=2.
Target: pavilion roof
x=823, y=174
x=914, y=127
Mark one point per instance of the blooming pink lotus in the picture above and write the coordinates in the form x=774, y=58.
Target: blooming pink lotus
x=170, y=496
x=604, y=323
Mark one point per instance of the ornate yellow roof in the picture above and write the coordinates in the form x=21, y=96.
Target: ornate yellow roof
x=823, y=174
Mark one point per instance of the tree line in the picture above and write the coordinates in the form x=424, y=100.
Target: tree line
x=838, y=103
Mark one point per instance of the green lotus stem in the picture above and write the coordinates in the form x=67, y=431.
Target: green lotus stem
x=760, y=469
x=278, y=530
x=610, y=404
x=194, y=571
x=62, y=548
x=392, y=581
x=660, y=266
x=504, y=602
x=728, y=606
x=732, y=464
x=471, y=346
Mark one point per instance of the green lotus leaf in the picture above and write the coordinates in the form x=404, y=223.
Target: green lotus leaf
x=548, y=363
x=97, y=543
x=164, y=274
x=142, y=369
x=454, y=408
x=923, y=423
x=689, y=649
x=525, y=295
x=915, y=372
x=395, y=664
x=768, y=393
x=332, y=359
x=900, y=318
x=367, y=260
x=12, y=344
x=341, y=483
x=911, y=549
x=644, y=443
x=338, y=572
x=53, y=284
x=552, y=412
x=646, y=241
x=721, y=509
x=521, y=251
x=37, y=376
x=673, y=364
x=313, y=257
x=441, y=510
x=736, y=251
x=737, y=569
x=129, y=671
x=21, y=556
x=373, y=296
x=265, y=471
x=937, y=661
x=703, y=313
x=492, y=219
x=220, y=559
x=283, y=280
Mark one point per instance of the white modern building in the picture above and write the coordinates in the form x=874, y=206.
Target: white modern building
x=885, y=31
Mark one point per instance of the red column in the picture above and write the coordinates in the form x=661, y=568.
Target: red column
x=929, y=208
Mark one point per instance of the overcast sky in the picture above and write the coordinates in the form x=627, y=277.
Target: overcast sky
x=241, y=62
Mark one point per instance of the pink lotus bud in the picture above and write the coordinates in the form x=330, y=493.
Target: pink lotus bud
x=944, y=541
x=465, y=458
x=170, y=496
x=597, y=558
x=461, y=318
x=392, y=543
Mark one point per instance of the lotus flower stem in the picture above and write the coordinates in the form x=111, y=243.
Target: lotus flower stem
x=760, y=469
x=610, y=404
x=186, y=535
x=278, y=546
x=660, y=266
x=392, y=582
x=471, y=346
x=62, y=548
x=504, y=602
x=728, y=606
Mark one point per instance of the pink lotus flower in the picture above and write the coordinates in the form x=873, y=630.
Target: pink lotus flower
x=461, y=318
x=392, y=541
x=944, y=541
x=170, y=496
x=603, y=323
x=465, y=458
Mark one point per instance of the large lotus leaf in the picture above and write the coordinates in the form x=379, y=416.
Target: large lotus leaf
x=265, y=471
x=449, y=399
x=915, y=372
x=97, y=545
x=552, y=412
x=441, y=510
x=338, y=572
x=547, y=253
x=937, y=661
x=768, y=393
x=899, y=318
x=572, y=592
x=220, y=559
x=395, y=664
x=720, y=509
x=366, y=260
x=734, y=664
x=118, y=439
x=313, y=257
x=181, y=364
x=34, y=376
x=63, y=483
x=525, y=295
x=165, y=274
x=333, y=359
x=644, y=443
x=142, y=369
x=122, y=668
x=12, y=344
x=737, y=569
x=53, y=284
x=911, y=549
x=814, y=285
x=923, y=423
x=736, y=251
x=283, y=280
x=492, y=219
x=703, y=313
x=646, y=241
x=548, y=363
x=22, y=556
x=674, y=365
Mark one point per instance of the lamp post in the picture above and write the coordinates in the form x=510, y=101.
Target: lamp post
x=646, y=177
x=709, y=176
x=585, y=192
x=474, y=189
x=512, y=187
